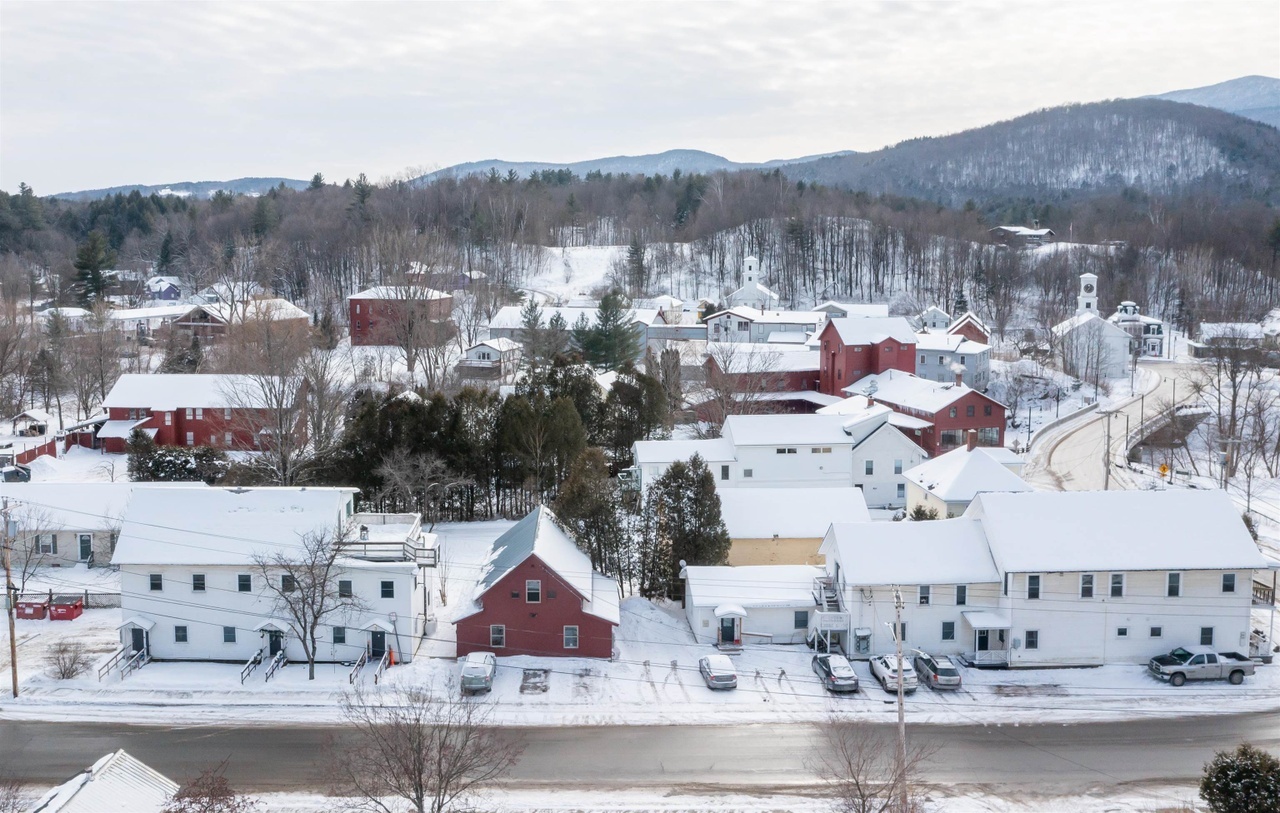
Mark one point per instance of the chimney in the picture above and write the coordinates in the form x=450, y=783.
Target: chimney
x=960, y=377
x=973, y=439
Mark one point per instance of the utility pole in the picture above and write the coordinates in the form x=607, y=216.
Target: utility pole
x=11, y=594
x=1106, y=456
x=901, y=709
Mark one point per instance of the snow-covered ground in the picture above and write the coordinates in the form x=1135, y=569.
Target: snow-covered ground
x=77, y=578
x=654, y=679
x=81, y=465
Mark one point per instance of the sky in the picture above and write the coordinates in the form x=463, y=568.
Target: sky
x=110, y=93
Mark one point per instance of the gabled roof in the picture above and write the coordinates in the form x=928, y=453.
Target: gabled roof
x=789, y=513
x=253, y=310
x=1230, y=330
x=857, y=330
x=960, y=475
x=968, y=317
x=1070, y=531
x=715, y=450
x=861, y=309
x=753, y=586
x=932, y=310
x=409, y=292
x=945, y=551
x=499, y=345
x=772, y=317
x=1090, y=320
x=1023, y=231
x=765, y=358
x=906, y=390
x=170, y=391
x=795, y=430
x=754, y=287
x=117, y=783
x=949, y=343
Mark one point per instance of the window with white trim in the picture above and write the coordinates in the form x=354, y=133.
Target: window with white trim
x=497, y=635
x=571, y=637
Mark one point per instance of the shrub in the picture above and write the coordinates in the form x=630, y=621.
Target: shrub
x=67, y=660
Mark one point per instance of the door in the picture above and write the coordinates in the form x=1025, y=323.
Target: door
x=984, y=640
x=728, y=630
x=86, y=547
x=377, y=644
x=275, y=642
x=139, y=638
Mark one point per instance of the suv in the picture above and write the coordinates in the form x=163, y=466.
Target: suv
x=718, y=672
x=937, y=673
x=884, y=668
x=477, y=672
x=836, y=673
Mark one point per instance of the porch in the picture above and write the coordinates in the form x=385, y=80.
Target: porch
x=990, y=630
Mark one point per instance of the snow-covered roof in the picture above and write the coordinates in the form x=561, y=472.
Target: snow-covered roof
x=906, y=390
x=1090, y=319
x=788, y=337
x=764, y=359
x=818, y=399
x=752, y=586
x=161, y=282
x=1230, y=330
x=412, y=292
x=772, y=317
x=859, y=309
x=908, y=421
x=510, y=318
x=945, y=551
x=793, y=430
x=499, y=345
x=1068, y=531
x=1023, y=231
x=539, y=535
x=855, y=330
x=170, y=391
x=225, y=526
x=74, y=506
x=117, y=783
x=715, y=450
x=121, y=429
x=38, y=415
x=157, y=312
x=754, y=288
x=65, y=313
x=253, y=310
x=934, y=310
x=960, y=475
x=949, y=343
x=968, y=317
x=789, y=513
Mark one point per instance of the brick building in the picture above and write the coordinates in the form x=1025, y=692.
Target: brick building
x=373, y=314
x=853, y=348
x=941, y=413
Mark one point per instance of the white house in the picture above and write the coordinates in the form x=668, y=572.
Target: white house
x=193, y=587
x=752, y=294
x=940, y=355
x=117, y=783
x=1146, y=332
x=732, y=607
x=1089, y=346
x=845, y=310
x=784, y=526
x=508, y=322
x=747, y=324
x=934, y=318
x=949, y=482
x=497, y=359
x=164, y=288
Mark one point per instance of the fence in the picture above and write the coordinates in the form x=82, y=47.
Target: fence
x=92, y=601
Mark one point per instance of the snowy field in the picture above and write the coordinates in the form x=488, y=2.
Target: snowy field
x=654, y=679
x=81, y=465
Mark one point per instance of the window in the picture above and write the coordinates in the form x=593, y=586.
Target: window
x=1033, y=587
x=1122, y=632
x=922, y=361
x=226, y=438
x=244, y=583
x=570, y=637
x=969, y=411
x=388, y=589
x=1033, y=639
x=197, y=582
x=533, y=591
x=1228, y=582
x=897, y=467
x=1086, y=585
x=157, y=582
x=339, y=635
x=962, y=359
x=187, y=413
x=168, y=419
x=497, y=635
x=857, y=349
x=359, y=325
x=821, y=450
x=923, y=597
x=952, y=412
x=288, y=583
x=1117, y=585
x=948, y=630
x=1174, y=586
x=1157, y=632
x=986, y=410
x=724, y=472
x=869, y=467
x=785, y=450
x=226, y=414
x=902, y=490
x=747, y=474
x=941, y=361
x=357, y=307
x=344, y=588
x=962, y=595
x=1206, y=636
x=228, y=635
x=191, y=438
x=48, y=543
x=199, y=413
x=179, y=635
x=801, y=620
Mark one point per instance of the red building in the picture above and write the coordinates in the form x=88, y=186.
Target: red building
x=187, y=410
x=373, y=315
x=936, y=415
x=540, y=596
x=853, y=348
x=971, y=327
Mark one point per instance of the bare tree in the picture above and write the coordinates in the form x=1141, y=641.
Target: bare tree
x=32, y=523
x=13, y=798
x=738, y=376
x=864, y=770
x=67, y=659
x=437, y=753
x=304, y=584
x=210, y=792
x=419, y=481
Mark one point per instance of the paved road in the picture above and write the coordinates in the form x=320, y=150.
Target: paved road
x=1045, y=758
x=1072, y=460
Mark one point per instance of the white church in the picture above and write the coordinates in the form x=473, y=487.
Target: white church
x=752, y=294
x=1089, y=346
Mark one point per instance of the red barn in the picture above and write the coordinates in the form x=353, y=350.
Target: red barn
x=854, y=347
x=971, y=327
x=374, y=314
x=939, y=415
x=540, y=596
x=186, y=410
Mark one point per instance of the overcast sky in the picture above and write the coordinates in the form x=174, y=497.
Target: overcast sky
x=103, y=94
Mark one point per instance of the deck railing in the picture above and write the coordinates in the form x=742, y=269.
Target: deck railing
x=111, y=663
x=249, y=667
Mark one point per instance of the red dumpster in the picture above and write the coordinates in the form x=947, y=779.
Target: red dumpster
x=66, y=608
x=36, y=608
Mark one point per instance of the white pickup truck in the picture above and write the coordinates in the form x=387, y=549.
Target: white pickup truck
x=1200, y=663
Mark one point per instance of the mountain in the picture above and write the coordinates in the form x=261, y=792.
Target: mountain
x=1152, y=145
x=1254, y=97
x=663, y=163
x=196, y=189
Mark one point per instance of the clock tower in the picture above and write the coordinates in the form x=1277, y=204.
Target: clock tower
x=1087, y=302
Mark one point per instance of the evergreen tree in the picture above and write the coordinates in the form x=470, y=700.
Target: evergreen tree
x=637, y=273
x=317, y=182
x=531, y=333
x=29, y=209
x=165, y=261
x=1246, y=780
x=92, y=258
x=589, y=507
x=612, y=342
x=688, y=517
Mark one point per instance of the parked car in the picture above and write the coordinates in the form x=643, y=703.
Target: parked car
x=1200, y=663
x=718, y=672
x=836, y=673
x=937, y=672
x=884, y=668
x=15, y=474
x=477, y=672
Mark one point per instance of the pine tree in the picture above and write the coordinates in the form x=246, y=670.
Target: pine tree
x=165, y=260
x=93, y=257
x=637, y=274
x=612, y=342
x=688, y=516
x=1246, y=780
x=317, y=182
x=590, y=509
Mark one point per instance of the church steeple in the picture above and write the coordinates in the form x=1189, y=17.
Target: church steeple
x=1087, y=301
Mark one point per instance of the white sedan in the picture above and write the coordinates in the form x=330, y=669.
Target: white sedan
x=884, y=668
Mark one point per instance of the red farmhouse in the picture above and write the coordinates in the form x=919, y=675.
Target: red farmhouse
x=185, y=410
x=540, y=596
x=855, y=347
x=373, y=314
x=936, y=415
x=971, y=327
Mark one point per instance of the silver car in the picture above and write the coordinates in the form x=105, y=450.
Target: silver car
x=937, y=672
x=477, y=672
x=835, y=672
x=884, y=668
x=718, y=672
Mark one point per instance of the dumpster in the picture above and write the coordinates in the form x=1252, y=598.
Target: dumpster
x=37, y=608
x=66, y=608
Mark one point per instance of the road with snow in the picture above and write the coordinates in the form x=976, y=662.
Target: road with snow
x=1070, y=459
x=1054, y=759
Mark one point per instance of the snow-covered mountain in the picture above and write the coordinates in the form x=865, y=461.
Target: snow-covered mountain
x=1253, y=97
x=195, y=189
